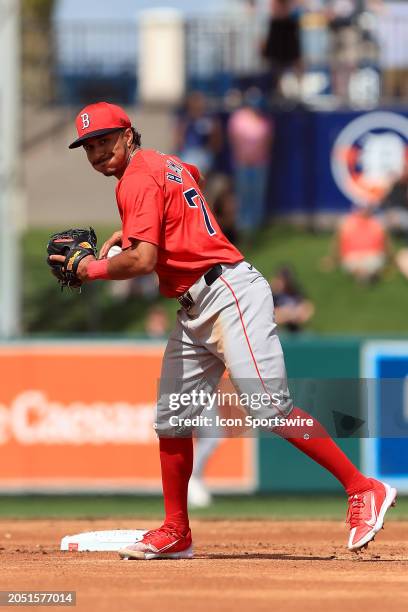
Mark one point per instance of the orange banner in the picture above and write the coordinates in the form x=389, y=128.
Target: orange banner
x=79, y=417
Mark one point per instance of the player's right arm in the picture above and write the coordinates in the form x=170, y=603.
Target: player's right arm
x=140, y=258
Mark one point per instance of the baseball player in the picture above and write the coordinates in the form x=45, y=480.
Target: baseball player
x=225, y=322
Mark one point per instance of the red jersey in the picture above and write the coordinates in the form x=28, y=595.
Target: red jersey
x=160, y=202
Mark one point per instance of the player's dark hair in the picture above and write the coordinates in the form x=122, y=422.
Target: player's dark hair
x=137, y=138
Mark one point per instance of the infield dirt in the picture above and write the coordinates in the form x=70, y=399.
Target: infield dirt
x=239, y=565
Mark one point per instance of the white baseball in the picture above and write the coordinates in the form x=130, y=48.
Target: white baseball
x=114, y=250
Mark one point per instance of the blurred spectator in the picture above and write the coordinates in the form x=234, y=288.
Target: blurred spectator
x=224, y=209
x=354, y=48
x=198, y=138
x=393, y=35
x=232, y=100
x=281, y=47
x=395, y=205
x=401, y=259
x=157, y=322
x=250, y=135
x=146, y=287
x=198, y=494
x=345, y=39
x=292, y=309
x=361, y=245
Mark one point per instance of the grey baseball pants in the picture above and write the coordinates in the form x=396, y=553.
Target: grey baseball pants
x=230, y=326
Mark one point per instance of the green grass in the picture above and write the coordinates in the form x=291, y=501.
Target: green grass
x=276, y=507
x=342, y=306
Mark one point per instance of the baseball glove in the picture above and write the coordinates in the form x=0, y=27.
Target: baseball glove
x=74, y=245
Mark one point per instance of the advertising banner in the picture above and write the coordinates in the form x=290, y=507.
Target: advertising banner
x=323, y=162
x=79, y=417
x=385, y=453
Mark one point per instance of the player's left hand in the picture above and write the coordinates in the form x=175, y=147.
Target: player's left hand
x=81, y=272
x=69, y=254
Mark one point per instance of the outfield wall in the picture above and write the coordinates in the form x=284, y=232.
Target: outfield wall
x=78, y=417
x=281, y=467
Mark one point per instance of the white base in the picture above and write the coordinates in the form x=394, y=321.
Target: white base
x=112, y=540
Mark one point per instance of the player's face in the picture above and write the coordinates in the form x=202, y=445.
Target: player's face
x=109, y=153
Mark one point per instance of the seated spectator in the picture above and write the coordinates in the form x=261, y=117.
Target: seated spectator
x=395, y=205
x=292, y=309
x=145, y=287
x=360, y=246
x=401, y=259
x=157, y=323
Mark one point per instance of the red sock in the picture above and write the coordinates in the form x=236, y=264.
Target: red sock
x=320, y=447
x=176, y=459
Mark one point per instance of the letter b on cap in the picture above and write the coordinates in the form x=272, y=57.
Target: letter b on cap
x=86, y=122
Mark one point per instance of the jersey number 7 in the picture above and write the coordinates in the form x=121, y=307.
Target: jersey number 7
x=191, y=196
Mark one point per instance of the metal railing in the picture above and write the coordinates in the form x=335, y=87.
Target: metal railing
x=221, y=46
x=102, y=48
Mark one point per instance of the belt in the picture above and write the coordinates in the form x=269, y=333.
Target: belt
x=186, y=301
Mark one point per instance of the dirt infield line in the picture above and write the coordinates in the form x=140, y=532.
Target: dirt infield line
x=256, y=564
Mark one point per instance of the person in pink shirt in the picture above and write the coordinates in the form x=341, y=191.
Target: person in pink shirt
x=250, y=135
